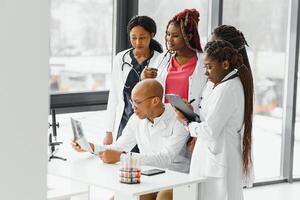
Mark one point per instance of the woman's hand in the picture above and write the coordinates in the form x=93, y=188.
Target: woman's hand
x=108, y=139
x=181, y=117
x=190, y=146
x=189, y=104
x=149, y=72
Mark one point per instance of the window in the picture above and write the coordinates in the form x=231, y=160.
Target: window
x=80, y=45
x=163, y=11
x=264, y=24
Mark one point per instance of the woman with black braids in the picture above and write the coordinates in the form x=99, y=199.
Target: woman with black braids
x=223, y=147
x=235, y=37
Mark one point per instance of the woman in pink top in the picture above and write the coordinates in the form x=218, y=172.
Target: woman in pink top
x=180, y=70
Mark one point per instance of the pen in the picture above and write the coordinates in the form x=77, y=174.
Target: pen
x=191, y=101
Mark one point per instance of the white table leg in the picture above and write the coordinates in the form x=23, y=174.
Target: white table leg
x=125, y=197
x=89, y=192
x=189, y=192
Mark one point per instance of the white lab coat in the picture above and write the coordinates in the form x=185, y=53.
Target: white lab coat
x=197, y=80
x=218, y=150
x=116, y=104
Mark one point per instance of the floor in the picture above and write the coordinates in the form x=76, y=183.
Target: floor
x=283, y=191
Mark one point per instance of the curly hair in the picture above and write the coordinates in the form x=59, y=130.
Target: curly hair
x=188, y=21
x=220, y=51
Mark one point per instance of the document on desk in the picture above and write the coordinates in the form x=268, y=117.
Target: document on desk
x=79, y=135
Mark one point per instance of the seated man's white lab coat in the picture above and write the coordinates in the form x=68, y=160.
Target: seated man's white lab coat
x=162, y=143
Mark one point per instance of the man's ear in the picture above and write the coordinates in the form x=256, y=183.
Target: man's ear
x=156, y=100
x=226, y=65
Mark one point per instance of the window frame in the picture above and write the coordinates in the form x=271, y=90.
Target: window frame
x=94, y=101
x=290, y=93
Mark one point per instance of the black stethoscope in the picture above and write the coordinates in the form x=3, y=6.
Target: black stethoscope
x=124, y=63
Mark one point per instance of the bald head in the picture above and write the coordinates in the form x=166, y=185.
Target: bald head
x=149, y=87
x=147, y=99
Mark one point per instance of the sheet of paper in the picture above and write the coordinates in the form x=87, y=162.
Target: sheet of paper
x=79, y=135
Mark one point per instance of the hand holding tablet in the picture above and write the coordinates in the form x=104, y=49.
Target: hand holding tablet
x=176, y=101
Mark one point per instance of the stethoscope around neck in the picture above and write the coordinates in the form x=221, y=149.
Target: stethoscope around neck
x=125, y=63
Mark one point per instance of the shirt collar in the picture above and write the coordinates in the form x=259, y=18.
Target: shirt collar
x=162, y=118
x=230, y=74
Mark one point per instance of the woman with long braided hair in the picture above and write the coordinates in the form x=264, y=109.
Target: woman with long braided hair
x=235, y=37
x=180, y=69
x=223, y=147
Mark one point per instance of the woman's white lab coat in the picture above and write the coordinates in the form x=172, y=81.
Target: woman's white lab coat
x=218, y=150
x=116, y=104
x=197, y=80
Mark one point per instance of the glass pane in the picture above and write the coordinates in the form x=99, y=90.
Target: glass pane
x=264, y=24
x=80, y=44
x=163, y=11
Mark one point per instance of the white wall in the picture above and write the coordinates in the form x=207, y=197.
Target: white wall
x=23, y=98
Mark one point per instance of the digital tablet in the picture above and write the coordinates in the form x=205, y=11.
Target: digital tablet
x=79, y=136
x=176, y=101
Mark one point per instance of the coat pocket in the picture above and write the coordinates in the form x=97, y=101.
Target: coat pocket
x=217, y=157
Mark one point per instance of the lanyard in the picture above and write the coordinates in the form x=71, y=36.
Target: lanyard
x=229, y=78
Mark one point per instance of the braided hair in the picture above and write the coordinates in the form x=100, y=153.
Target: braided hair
x=188, y=21
x=149, y=25
x=220, y=51
x=236, y=38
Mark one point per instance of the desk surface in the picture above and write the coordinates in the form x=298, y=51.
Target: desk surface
x=61, y=188
x=89, y=169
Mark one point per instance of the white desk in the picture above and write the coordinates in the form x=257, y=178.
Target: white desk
x=89, y=169
x=63, y=189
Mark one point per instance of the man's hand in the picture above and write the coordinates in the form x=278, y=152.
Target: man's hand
x=108, y=139
x=110, y=156
x=149, y=72
x=78, y=148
